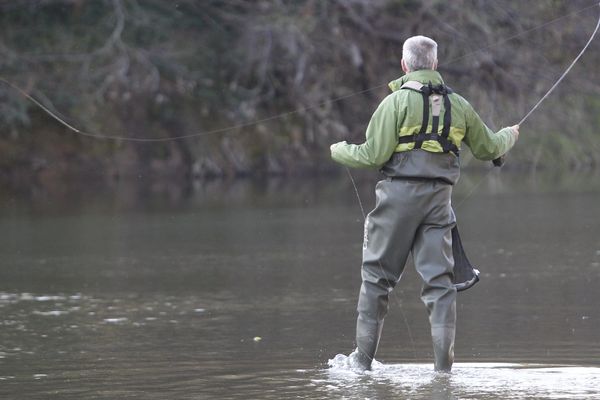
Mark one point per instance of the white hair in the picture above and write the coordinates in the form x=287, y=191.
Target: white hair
x=419, y=52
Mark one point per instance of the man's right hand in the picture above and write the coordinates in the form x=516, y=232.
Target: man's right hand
x=515, y=129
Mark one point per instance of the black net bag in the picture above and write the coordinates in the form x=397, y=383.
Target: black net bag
x=465, y=275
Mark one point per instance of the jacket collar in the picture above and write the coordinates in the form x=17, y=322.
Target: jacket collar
x=423, y=76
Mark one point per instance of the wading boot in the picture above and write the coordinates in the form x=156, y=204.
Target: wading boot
x=368, y=331
x=443, y=348
x=359, y=361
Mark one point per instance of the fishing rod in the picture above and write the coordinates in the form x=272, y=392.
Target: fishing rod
x=498, y=162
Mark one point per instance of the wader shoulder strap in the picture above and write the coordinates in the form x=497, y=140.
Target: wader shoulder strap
x=432, y=95
x=412, y=85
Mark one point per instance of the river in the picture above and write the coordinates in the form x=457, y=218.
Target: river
x=246, y=289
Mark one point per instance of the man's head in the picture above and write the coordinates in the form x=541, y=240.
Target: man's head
x=419, y=52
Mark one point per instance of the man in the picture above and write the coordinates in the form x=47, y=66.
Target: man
x=414, y=136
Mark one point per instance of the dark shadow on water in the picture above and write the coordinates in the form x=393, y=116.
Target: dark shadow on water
x=137, y=195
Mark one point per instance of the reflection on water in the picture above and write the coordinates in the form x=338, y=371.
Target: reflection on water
x=157, y=292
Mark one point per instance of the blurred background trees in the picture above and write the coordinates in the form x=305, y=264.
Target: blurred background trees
x=158, y=69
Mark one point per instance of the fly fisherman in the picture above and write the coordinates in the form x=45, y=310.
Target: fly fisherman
x=414, y=137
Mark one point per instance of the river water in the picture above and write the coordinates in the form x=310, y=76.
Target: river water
x=245, y=290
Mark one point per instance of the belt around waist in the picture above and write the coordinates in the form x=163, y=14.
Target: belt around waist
x=419, y=179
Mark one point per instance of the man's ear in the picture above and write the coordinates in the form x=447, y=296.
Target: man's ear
x=404, y=67
x=435, y=65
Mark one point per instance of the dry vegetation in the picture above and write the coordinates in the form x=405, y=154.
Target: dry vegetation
x=162, y=69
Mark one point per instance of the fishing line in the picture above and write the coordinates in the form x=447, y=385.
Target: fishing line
x=540, y=101
x=362, y=209
x=564, y=73
x=266, y=119
x=389, y=283
x=173, y=138
x=507, y=39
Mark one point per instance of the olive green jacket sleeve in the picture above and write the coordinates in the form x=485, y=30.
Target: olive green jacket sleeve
x=483, y=142
x=381, y=139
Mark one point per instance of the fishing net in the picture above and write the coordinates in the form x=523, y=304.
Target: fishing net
x=465, y=275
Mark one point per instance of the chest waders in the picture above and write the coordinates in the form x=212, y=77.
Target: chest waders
x=465, y=275
x=432, y=95
x=414, y=215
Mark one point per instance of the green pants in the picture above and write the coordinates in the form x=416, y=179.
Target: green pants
x=417, y=216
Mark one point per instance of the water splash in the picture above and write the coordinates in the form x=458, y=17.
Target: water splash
x=467, y=380
x=343, y=364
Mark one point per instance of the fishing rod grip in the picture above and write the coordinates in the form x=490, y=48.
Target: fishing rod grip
x=498, y=162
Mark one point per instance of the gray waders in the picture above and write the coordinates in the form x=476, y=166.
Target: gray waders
x=410, y=215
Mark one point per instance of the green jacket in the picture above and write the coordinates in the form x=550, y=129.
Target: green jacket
x=400, y=113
